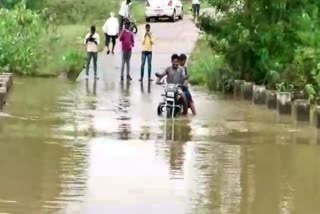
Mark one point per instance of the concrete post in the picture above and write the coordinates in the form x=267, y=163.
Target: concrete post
x=237, y=87
x=316, y=117
x=259, y=94
x=247, y=91
x=301, y=110
x=3, y=94
x=284, y=102
x=271, y=97
x=9, y=76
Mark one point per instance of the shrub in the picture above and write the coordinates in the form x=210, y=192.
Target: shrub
x=73, y=63
x=209, y=69
x=79, y=11
x=259, y=36
x=137, y=10
x=20, y=32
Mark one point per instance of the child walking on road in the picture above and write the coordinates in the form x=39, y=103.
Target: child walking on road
x=146, y=54
x=127, y=40
x=92, y=41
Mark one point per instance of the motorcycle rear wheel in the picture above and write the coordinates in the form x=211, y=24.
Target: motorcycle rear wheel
x=134, y=29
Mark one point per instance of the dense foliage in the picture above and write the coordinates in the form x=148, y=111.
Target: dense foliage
x=272, y=42
x=68, y=11
x=20, y=32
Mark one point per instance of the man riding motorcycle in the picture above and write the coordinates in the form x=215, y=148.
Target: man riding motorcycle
x=175, y=75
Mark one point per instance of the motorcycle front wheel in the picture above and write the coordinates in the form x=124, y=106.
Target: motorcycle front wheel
x=160, y=108
x=169, y=112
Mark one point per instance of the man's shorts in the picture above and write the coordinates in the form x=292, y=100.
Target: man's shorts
x=188, y=95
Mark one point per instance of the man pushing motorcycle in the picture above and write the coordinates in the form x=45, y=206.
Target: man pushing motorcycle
x=175, y=75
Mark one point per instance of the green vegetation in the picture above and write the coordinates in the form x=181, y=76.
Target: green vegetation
x=20, y=31
x=137, y=10
x=268, y=42
x=206, y=68
x=45, y=37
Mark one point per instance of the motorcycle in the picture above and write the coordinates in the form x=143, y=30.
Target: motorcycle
x=133, y=27
x=171, y=104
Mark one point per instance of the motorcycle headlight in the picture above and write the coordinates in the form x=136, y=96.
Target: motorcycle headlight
x=171, y=87
x=170, y=94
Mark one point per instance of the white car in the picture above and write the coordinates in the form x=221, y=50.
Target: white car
x=171, y=9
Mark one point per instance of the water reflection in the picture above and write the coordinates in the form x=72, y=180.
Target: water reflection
x=91, y=104
x=177, y=130
x=145, y=133
x=125, y=88
x=244, y=179
x=94, y=87
x=142, y=87
x=22, y=175
x=40, y=175
x=242, y=166
x=123, y=112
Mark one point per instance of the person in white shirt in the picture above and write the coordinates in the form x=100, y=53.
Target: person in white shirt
x=111, y=30
x=124, y=12
x=196, y=7
x=92, y=41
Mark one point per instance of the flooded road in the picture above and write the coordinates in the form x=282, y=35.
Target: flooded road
x=99, y=147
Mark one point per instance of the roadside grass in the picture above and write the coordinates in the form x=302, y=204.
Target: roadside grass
x=138, y=11
x=187, y=7
x=63, y=45
x=205, y=67
x=65, y=52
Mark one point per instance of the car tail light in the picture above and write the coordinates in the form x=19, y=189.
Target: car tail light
x=170, y=3
x=147, y=4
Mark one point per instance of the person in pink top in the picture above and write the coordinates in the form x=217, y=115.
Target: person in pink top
x=127, y=42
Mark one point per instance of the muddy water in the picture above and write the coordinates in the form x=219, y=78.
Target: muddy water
x=99, y=147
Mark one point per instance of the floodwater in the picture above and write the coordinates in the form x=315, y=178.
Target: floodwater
x=99, y=147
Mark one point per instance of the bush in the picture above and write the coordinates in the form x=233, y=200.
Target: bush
x=80, y=11
x=73, y=63
x=59, y=43
x=208, y=68
x=269, y=42
x=137, y=10
x=20, y=33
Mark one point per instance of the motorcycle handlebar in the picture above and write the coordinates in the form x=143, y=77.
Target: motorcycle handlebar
x=165, y=84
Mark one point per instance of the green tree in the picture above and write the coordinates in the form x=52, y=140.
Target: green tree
x=258, y=37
